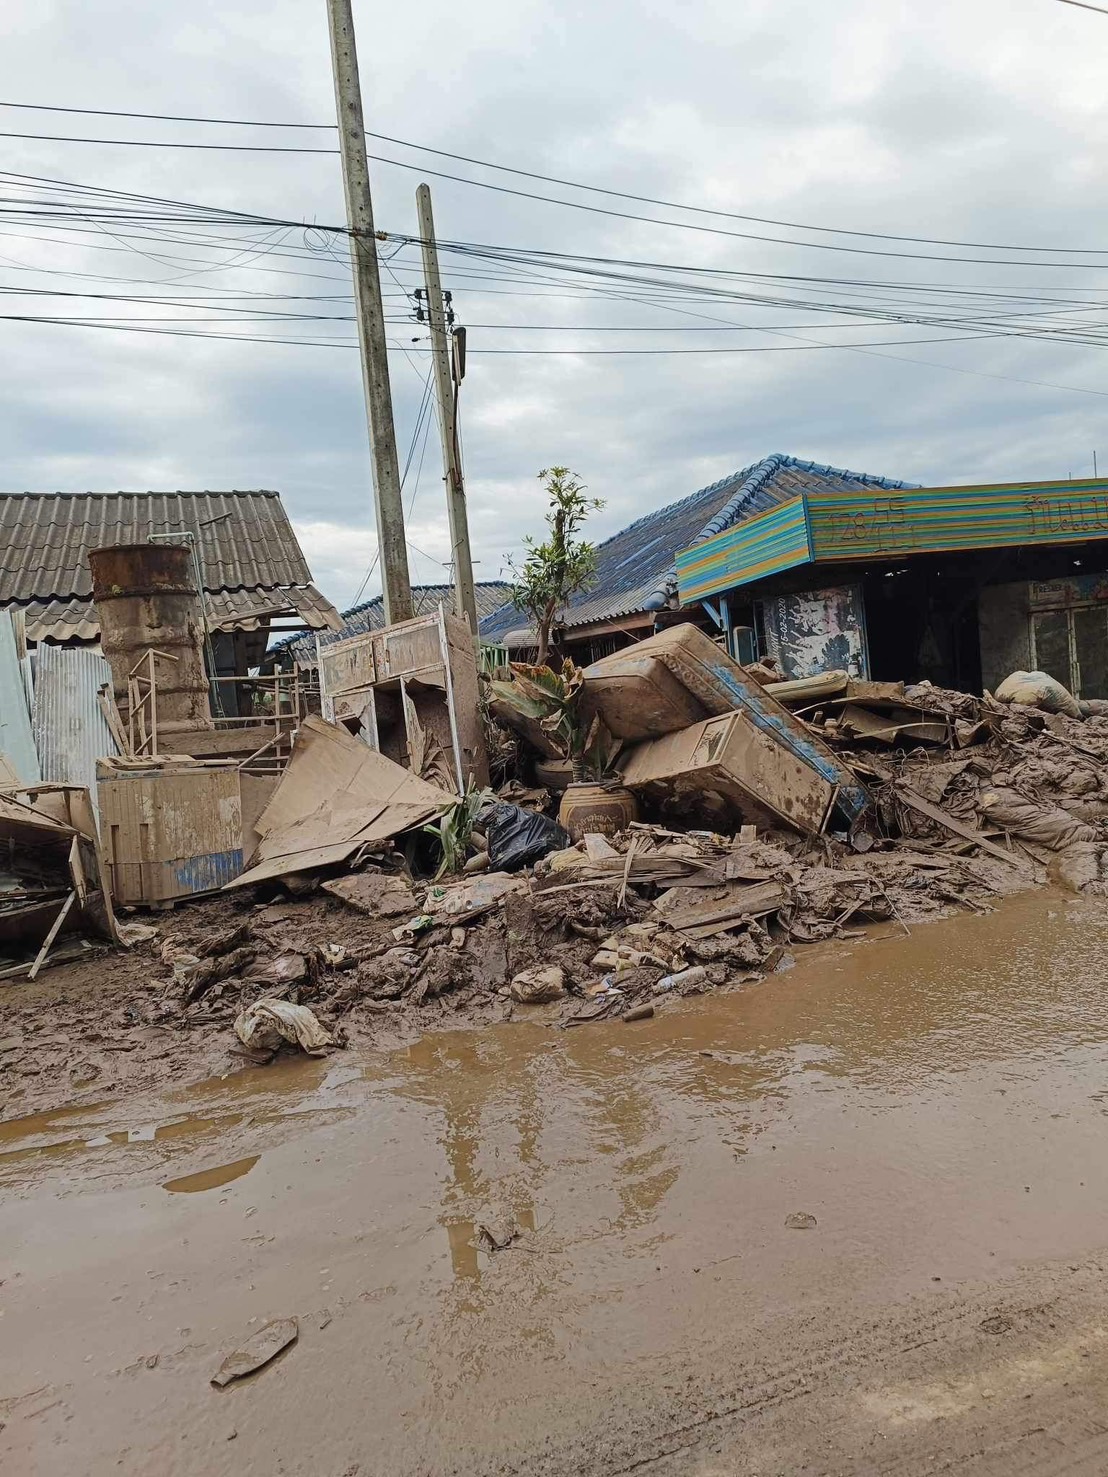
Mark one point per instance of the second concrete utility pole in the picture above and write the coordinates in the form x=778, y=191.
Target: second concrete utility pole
x=461, y=557
x=392, y=549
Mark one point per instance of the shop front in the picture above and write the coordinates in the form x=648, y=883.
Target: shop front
x=960, y=585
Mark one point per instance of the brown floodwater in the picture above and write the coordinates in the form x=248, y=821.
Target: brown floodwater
x=892, y=1124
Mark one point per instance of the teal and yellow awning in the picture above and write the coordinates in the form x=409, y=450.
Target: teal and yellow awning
x=870, y=524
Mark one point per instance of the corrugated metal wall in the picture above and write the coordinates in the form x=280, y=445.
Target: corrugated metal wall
x=17, y=743
x=69, y=729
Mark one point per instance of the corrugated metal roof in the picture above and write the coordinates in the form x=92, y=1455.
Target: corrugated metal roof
x=635, y=567
x=244, y=539
x=70, y=730
x=370, y=614
x=17, y=742
x=75, y=620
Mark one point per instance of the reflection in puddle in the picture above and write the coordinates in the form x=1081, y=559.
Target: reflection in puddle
x=211, y=1179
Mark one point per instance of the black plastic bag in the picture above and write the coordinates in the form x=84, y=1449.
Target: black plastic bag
x=519, y=837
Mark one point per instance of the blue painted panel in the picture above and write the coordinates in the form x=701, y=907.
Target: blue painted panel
x=207, y=873
x=852, y=797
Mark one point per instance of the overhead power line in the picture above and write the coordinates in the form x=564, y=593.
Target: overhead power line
x=537, y=175
x=150, y=143
x=576, y=185
x=162, y=117
x=593, y=209
x=761, y=220
x=1084, y=5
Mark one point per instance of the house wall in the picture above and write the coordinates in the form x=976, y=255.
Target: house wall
x=1004, y=631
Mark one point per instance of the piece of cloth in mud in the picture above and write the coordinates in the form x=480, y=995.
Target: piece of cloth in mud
x=1047, y=825
x=267, y=1024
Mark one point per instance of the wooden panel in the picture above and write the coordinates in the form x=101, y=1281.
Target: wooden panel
x=412, y=647
x=171, y=832
x=348, y=665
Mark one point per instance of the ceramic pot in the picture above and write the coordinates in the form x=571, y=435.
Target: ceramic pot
x=601, y=809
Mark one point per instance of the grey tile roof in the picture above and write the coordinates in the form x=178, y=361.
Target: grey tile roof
x=370, y=614
x=226, y=610
x=635, y=567
x=246, y=544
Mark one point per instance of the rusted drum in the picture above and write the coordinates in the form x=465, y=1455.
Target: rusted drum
x=147, y=601
x=597, y=809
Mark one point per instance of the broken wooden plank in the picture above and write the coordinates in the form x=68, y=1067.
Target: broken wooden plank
x=743, y=903
x=598, y=848
x=969, y=833
x=63, y=914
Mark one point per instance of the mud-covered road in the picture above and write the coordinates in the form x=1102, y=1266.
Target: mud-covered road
x=852, y=1221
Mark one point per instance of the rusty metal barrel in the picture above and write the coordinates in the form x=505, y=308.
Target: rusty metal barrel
x=152, y=627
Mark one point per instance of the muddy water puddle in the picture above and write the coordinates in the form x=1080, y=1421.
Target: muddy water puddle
x=888, y=1119
x=189, y=1122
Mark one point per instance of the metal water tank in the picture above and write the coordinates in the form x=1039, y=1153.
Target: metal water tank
x=147, y=601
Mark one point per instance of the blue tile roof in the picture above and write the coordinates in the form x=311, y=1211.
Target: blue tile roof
x=635, y=567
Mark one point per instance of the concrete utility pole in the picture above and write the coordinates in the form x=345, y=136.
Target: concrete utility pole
x=465, y=597
x=371, y=316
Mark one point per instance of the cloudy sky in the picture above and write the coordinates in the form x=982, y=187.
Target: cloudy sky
x=931, y=121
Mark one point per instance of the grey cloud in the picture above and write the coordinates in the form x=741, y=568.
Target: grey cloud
x=941, y=120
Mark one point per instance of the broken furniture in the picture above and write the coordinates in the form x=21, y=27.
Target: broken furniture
x=411, y=692
x=51, y=874
x=337, y=799
x=749, y=751
x=727, y=771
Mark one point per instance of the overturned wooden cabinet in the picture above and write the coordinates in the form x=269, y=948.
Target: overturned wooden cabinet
x=410, y=691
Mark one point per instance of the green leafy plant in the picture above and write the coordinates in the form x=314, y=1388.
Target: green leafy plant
x=563, y=563
x=555, y=699
x=454, y=828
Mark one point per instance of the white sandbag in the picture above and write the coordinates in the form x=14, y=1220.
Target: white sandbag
x=1038, y=690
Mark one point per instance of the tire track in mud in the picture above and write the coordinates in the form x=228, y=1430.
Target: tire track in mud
x=1008, y=1379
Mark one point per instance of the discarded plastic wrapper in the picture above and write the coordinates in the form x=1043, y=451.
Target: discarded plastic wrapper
x=419, y=924
x=683, y=979
x=473, y=898
x=267, y=1023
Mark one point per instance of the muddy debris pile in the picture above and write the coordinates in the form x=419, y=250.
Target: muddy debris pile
x=673, y=823
x=597, y=930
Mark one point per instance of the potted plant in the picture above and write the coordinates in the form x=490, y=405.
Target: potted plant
x=596, y=800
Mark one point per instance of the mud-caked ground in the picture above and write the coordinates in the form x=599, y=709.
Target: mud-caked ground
x=848, y=1219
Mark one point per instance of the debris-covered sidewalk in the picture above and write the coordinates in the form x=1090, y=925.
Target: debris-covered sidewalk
x=666, y=822
x=609, y=928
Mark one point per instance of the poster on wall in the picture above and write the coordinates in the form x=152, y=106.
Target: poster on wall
x=817, y=631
